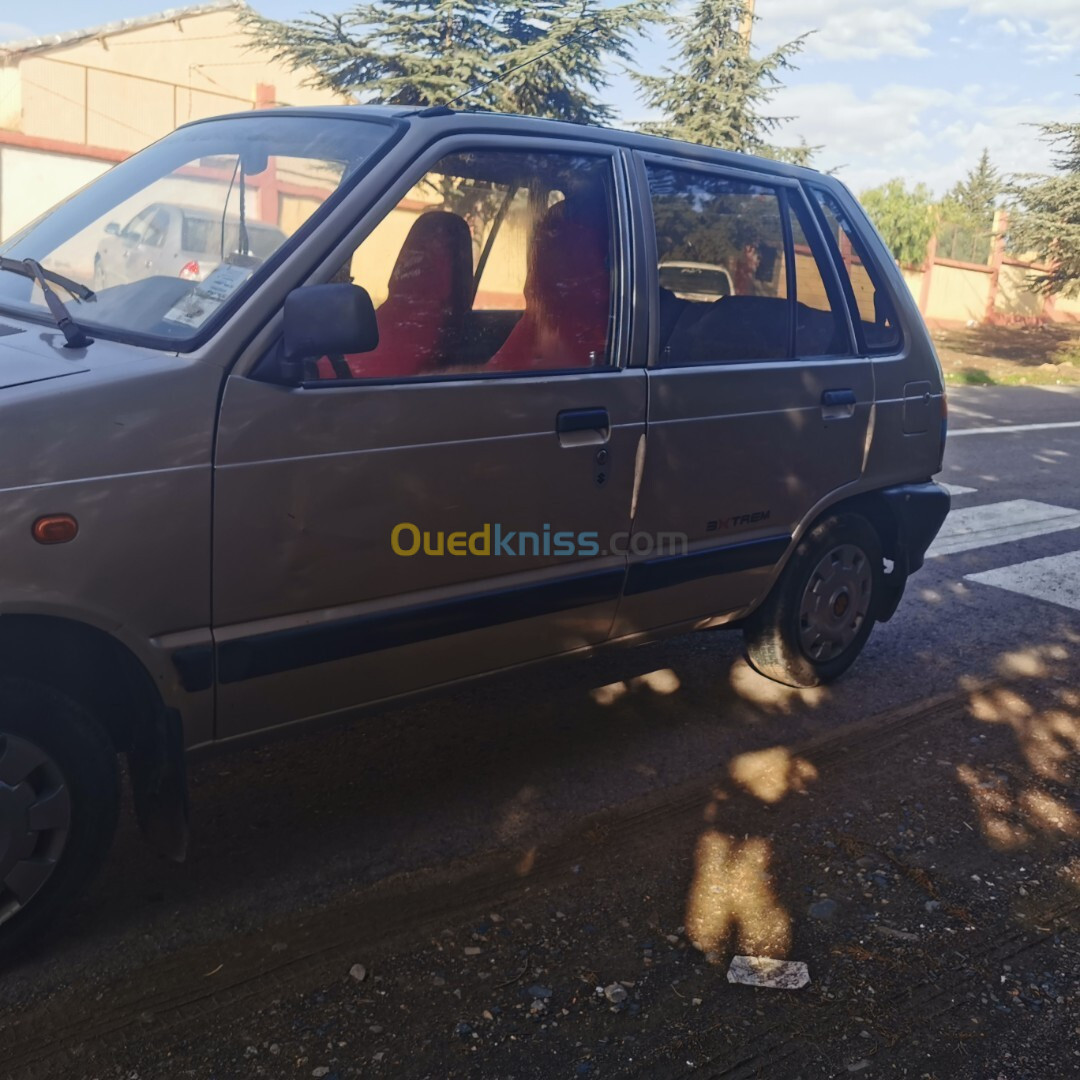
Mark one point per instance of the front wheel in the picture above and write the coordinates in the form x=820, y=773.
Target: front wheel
x=59, y=799
x=821, y=610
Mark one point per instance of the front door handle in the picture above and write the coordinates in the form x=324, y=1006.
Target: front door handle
x=838, y=404
x=583, y=427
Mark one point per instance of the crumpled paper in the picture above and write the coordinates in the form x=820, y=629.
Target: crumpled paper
x=767, y=972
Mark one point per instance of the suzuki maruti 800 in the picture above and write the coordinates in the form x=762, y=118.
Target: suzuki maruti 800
x=434, y=405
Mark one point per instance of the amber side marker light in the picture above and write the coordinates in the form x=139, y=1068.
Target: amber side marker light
x=55, y=529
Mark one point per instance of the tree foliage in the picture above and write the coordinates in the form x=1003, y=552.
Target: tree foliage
x=905, y=218
x=718, y=90
x=1046, y=217
x=973, y=200
x=429, y=52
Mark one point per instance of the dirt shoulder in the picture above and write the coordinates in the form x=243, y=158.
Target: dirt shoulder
x=925, y=864
x=1011, y=355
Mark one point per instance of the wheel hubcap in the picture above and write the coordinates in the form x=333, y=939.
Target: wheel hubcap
x=835, y=602
x=35, y=815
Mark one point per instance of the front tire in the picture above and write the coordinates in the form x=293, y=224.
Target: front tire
x=815, y=622
x=59, y=800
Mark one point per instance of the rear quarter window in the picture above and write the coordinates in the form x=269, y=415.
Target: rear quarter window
x=872, y=308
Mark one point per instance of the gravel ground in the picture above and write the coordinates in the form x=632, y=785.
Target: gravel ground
x=924, y=864
x=506, y=860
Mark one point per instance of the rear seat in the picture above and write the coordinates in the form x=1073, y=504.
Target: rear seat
x=746, y=328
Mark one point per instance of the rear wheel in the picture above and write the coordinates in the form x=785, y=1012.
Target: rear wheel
x=820, y=613
x=59, y=798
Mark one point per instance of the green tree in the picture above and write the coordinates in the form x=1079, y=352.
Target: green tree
x=973, y=200
x=1046, y=213
x=718, y=90
x=906, y=219
x=546, y=57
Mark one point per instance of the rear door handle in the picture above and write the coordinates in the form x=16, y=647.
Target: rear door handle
x=838, y=404
x=582, y=427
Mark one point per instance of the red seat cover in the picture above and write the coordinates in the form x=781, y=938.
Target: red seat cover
x=422, y=320
x=567, y=298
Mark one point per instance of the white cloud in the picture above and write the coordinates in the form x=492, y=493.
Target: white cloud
x=917, y=132
x=11, y=31
x=846, y=29
x=870, y=29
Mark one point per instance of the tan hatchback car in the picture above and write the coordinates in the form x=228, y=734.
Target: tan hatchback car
x=452, y=423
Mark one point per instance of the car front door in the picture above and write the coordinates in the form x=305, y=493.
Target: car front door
x=443, y=505
x=759, y=404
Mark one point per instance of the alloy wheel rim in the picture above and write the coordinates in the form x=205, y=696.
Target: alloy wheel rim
x=835, y=603
x=35, y=819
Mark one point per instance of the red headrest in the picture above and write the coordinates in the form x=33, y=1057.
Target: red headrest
x=435, y=263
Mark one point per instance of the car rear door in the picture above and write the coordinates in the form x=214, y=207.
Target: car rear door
x=759, y=405
x=441, y=506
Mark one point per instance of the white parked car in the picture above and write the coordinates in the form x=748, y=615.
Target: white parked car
x=177, y=241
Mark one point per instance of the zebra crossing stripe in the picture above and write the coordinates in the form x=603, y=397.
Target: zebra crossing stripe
x=1055, y=579
x=1005, y=429
x=973, y=527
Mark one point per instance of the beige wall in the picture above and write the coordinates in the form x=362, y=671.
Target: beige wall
x=961, y=294
x=128, y=89
x=32, y=181
x=914, y=280
x=10, y=97
x=1067, y=308
x=122, y=92
x=1014, y=297
x=958, y=295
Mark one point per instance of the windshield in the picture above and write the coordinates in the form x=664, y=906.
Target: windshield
x=170, y=240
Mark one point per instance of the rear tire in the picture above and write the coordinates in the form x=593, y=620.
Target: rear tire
x=59, y=800
x=815, y=622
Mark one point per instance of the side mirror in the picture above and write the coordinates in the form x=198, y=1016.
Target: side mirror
x=113, y=228
x=328, y=320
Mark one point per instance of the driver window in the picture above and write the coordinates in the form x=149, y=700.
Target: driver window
x=134, y=229
x=156, y=229
x=494, y=262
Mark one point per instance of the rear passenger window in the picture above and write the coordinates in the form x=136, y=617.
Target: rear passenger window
x=723, y=275
x=876, y=319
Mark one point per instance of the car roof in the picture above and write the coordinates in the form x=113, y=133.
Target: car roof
x=440, y=120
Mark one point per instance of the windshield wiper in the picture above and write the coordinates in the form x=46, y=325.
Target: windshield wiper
x=19, y=266
x=74, y=334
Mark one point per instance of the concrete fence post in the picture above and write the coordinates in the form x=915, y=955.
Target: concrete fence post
x=928, y=275
x=269, y=192
x=997, y=257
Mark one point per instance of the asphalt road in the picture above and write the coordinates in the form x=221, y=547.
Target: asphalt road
x=502, y=769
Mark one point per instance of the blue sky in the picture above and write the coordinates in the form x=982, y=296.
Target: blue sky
x=911, y=88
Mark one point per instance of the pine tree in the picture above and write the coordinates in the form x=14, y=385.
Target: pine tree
x=716, y=92
x=429, y=52
x=1046, y=221
x=974, y=199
